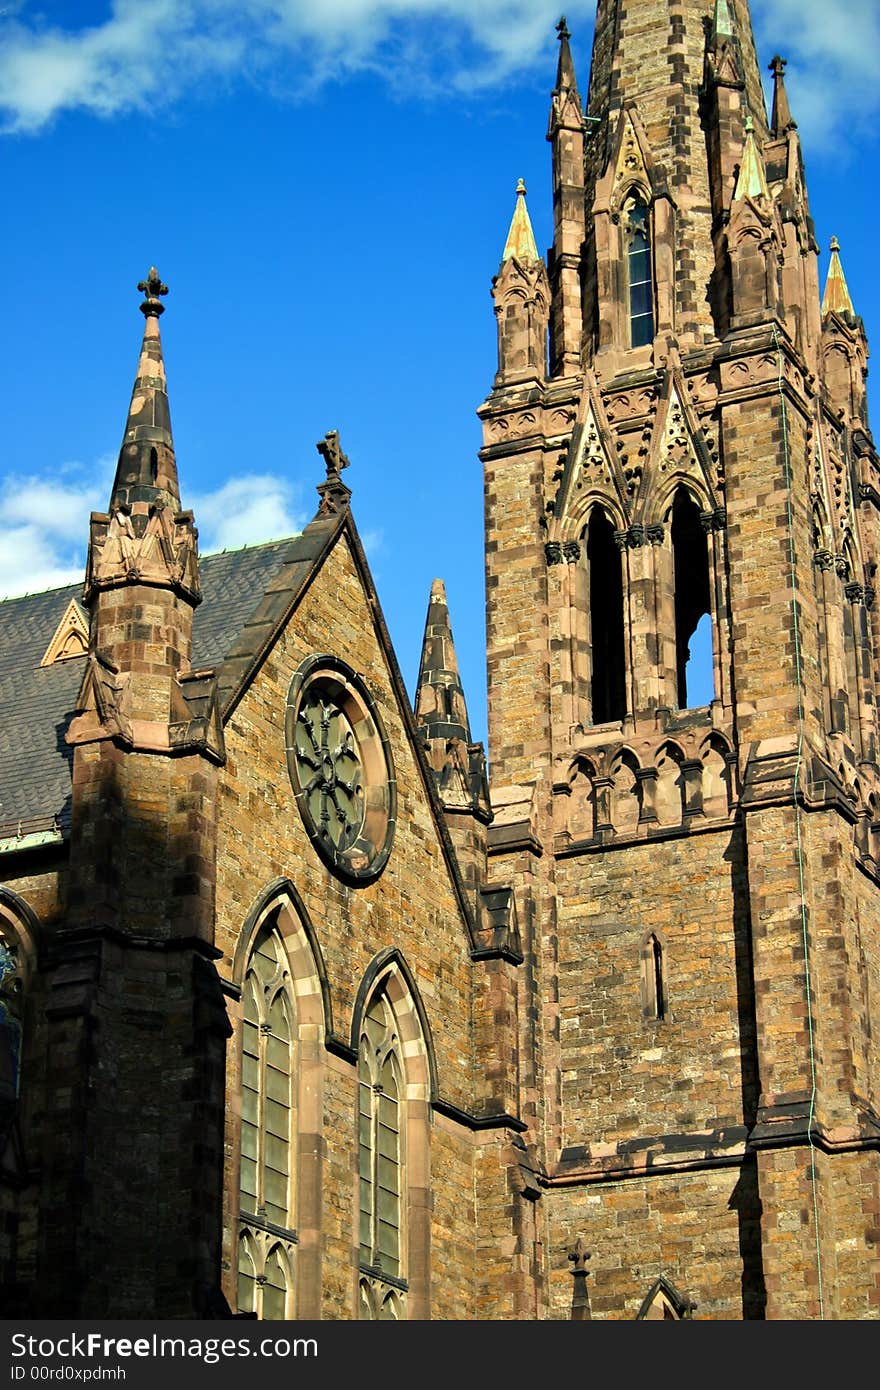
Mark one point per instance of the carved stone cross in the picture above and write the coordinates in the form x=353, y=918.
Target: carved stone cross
x=332, y=455
x=152, y=287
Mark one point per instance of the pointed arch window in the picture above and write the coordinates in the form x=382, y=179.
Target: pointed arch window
x=640, y=274
x=664, y=1303
x=690, y=558
x=605, y=577
x=10, y=1030
x=380, y=1164
x=267, y=1242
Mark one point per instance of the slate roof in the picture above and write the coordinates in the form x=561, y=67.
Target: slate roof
x=36, y=703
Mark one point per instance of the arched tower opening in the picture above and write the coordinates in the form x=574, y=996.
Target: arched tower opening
x=690, y=557
x=608, y=686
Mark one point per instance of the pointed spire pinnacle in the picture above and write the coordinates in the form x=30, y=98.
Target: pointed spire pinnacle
x=147, y=469
x=722, y=22
x=780, y=121
x=441, y=711
x=520, y=244
x=565, y=77
x=752, y=181
x=836, y=299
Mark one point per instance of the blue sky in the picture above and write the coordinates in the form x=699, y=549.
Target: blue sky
x=326, y=189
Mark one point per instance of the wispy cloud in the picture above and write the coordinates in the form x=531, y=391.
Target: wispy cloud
x=832, y=64
x=149, y=53
x=46, y=520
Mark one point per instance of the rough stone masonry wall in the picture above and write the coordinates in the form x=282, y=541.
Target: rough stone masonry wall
x=516, y=617
x=639, y=1092
x=828, y=1040
x=411, y=906
x=698, y=1230
x=774, y=639
x=627, y=1077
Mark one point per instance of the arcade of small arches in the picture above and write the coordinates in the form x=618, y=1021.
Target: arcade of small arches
x=617, y=793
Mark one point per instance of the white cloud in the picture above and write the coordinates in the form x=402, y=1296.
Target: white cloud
x=46, y=521
x=31, y=561
x=150, y=52
x=245, y=511
x=46, y=525
x=832, y=64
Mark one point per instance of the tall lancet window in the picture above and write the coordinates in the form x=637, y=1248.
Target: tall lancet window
x=639, y=273
x=690, y=552
x=608, y=684
x=267, y=1238
x=380, y=1164
x=10, y=1031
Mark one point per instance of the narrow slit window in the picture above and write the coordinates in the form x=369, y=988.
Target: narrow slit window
x=639, y=275
x=657, y=973
x=653, y=970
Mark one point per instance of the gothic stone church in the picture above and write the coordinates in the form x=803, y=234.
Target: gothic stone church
x=303, y=1016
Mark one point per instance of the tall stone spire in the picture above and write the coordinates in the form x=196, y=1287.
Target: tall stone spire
x=147, y=469
x=565, y=131
x=565, y=78
x=441, y=711
x=459, y=765
x=647, y=142
x=142, y=569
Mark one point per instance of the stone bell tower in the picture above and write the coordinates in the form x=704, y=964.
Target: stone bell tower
x=688, y=467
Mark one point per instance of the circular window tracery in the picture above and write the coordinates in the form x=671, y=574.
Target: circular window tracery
x=340, y=767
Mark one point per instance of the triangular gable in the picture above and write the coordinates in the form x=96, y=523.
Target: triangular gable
x=305, y=561
x=591, y=469
x=631, y=165
x=70, y=638
x=678, y=453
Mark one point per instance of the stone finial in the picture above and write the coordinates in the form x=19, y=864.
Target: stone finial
x=722, y=22
x=752, y=181
x=562, y=28
x=580, y=1304
x=836, y=299
x=520, y=244
x=579, y=1255
x=152, y=287
x=781, y=120
x=333, y=493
